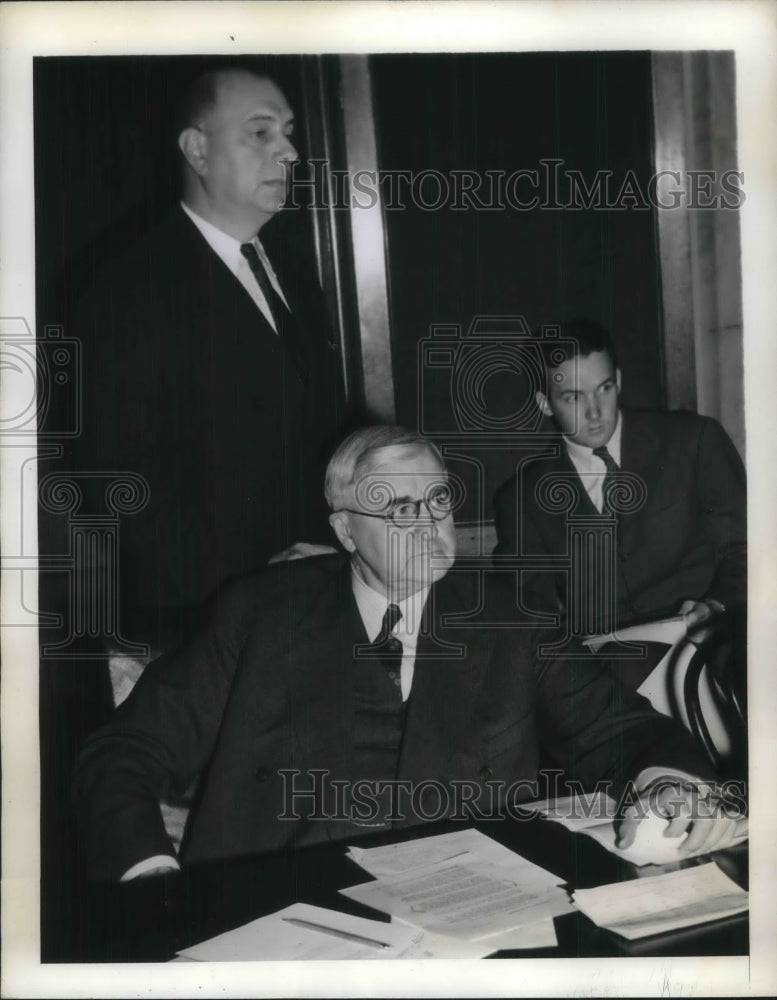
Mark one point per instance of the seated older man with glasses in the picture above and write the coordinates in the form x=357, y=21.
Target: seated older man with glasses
x=329, y=696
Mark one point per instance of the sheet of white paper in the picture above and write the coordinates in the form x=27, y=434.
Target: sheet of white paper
x=577, y=812
x=650, y=846
x=663, y=902
x=271, y=937
x=396, y=858
x=667, y=630
x=540, y=934
x=440, y=946
x=469, y=847
x=461, y=900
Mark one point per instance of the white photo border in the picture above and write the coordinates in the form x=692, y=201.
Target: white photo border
x=745, y=26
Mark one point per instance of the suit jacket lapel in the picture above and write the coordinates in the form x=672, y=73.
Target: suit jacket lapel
x=640, y=456
x=212, y=272
x=446, y=682
x=640, y=446
x=563, y=464
x=321, y=664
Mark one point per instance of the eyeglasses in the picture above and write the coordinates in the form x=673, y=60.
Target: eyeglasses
x=405, y=512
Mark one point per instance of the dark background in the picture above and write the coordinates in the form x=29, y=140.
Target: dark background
x=507, y=112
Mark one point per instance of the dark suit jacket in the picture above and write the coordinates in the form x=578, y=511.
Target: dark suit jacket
x=686, y=541
x=187, y=384
x=268, y=684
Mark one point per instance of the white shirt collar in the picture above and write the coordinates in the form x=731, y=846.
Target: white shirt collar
x=584, y=457
x=222, y=244
x=372, y=607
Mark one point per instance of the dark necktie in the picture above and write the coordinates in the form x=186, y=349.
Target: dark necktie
x=388, y=646
x=610, y=477
x=285, y=323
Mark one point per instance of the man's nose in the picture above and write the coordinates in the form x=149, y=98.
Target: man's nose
x=593, y=409
x=287, y=152
x=425, y=523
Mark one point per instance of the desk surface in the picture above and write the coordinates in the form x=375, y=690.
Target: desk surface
x=151, y=919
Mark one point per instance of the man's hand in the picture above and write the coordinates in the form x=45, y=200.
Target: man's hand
x=698, y=809
x=159, y=870
x=301, y=550
x=700, y=618
x=159, y=864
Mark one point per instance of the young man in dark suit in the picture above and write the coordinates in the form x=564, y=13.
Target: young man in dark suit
x=669, y=487
x=330, y=697
x=210, y=370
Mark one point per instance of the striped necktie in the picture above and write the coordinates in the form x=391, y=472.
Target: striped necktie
x=285, y=323
x=388, y=646
x=610, y=477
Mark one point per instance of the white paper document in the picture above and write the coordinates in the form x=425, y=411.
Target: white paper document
x=667, y=630
x=311, y=932
x=540, y=934
x=663, y=902
x=576, y=812
x=462, y=900
x=469, y=847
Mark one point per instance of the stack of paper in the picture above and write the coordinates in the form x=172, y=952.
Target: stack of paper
x=310, y=932
x=592, y=815
x=464, y=885
x=663, y=902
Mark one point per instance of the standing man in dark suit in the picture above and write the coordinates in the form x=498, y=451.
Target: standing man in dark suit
x=330, y=697
x=671, y=485
x=211, y=371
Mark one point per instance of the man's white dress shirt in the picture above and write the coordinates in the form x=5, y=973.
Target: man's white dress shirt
x=590, y=467
x=372, y=608
x=228, y=249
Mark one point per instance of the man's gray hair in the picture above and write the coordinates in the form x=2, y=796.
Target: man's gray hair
x=354, y=455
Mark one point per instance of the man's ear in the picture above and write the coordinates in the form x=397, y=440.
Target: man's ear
x=193, y=143
x=618, y=378
x=544, y=405
x=342, y=528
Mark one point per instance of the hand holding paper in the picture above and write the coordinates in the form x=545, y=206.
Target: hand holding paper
x=647, y=842
x=696, y=812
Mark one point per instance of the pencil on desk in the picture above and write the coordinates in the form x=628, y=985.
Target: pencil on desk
x=345, y=935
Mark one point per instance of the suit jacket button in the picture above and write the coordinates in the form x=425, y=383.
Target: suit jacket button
x=485, y=773
x=261, y=774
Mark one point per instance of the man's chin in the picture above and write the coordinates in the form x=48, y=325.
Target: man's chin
x=595, y=439
x=428, y=566
x=440, y=564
